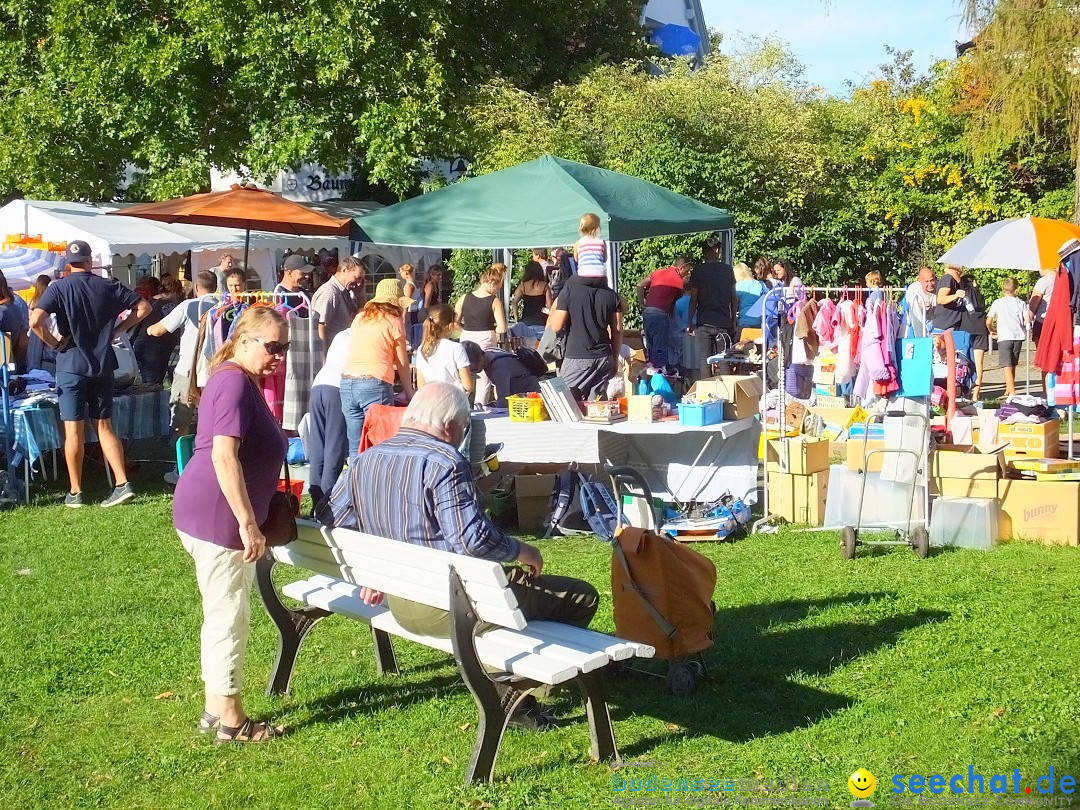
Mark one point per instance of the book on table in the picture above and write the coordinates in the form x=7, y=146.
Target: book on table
x=559, y=400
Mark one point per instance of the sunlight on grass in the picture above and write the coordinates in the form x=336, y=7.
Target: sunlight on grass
x=820, y=666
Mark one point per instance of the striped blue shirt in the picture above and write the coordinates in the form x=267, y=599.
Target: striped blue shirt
x=416, y=488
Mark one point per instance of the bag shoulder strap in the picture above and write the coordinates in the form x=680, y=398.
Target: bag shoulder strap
x=666, y=627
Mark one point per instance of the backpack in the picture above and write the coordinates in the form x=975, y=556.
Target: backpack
x=580, y=505
x=531, y=359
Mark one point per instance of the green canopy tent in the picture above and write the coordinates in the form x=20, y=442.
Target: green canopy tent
x=538, y=204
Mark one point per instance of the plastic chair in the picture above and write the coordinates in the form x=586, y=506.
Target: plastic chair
x=185, y=448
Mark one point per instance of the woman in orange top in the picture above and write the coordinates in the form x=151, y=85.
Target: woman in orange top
x=376, y=352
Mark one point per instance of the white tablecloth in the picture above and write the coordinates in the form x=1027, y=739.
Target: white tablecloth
x=679, y=462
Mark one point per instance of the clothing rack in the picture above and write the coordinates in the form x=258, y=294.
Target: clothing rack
x=8, y=493
x=273, y=298
x=780, y=293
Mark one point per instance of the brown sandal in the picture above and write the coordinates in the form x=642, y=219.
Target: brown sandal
x=208, y=723
x=248, y=732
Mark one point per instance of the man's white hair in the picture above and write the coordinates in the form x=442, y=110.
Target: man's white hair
x=437, y=404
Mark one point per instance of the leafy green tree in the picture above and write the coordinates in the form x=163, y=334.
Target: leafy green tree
x=178, y=87
x=1026, y=76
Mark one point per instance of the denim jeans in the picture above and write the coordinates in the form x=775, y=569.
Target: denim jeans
x=657, y=335
x=357, y=395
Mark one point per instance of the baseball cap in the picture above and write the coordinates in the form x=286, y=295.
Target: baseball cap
x=296, y=262
x=1069, y=248
x=78, y=252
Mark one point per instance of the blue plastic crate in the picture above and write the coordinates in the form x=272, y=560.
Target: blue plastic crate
x=699, y=415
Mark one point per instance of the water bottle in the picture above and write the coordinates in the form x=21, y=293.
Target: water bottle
x=968, y=305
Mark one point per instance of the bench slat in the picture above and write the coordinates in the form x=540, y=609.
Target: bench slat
x=492, y=604
x=500, y=653
x=418, y=558
x=569, y=632
x=585, y=660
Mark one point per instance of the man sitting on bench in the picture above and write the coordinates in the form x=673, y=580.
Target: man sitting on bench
x=418, y=488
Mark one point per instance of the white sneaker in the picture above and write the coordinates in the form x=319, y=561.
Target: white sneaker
x=172, y=476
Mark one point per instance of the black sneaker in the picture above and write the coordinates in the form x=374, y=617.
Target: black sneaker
x=531, y=715
x=119, y=495
x=73, y=500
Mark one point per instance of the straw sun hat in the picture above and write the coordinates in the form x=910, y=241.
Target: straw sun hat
x=388, y=291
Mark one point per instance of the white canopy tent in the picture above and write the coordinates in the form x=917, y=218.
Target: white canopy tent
x=113, y=239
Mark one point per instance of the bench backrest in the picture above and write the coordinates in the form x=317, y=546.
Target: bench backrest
x=400, y=569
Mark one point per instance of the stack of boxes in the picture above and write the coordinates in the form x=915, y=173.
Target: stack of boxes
x=798, y=478
x=1047, y=510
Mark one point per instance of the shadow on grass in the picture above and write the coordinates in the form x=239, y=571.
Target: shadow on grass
x=749, y=691
x=374, y=696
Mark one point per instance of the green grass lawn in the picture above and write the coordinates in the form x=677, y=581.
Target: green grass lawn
x=820, y=666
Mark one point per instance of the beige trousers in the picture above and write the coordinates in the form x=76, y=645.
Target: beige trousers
x=225, y=584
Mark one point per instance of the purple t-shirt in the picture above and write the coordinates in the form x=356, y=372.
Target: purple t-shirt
x=230, y=406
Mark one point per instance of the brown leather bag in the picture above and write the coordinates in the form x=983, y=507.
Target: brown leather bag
x=662, y=593
x=279, y=528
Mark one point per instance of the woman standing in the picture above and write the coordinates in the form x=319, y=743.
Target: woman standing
x=973, y=321
x=415, y=292
x=153, y=353
x=221, y=500
x=482, y=318
x=534, y=293
x=38, y=355
x=433, y=287
x=749, y=290
x=376, y=353
x=440, y=359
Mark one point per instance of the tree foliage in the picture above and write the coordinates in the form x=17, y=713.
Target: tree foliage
x=885, y=179
x=179, y=86
x=1025, y=74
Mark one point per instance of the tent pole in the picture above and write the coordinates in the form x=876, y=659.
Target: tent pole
x=247, y=245
x=613, y=265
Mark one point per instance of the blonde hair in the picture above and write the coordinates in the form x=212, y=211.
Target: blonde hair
x=494, y=274
x=373, y=310
x=874, y=278
x=1009, y=284
x=743, y=272
x=437, y=326
x=252, y=321
x=407, y=271
x=589, y=224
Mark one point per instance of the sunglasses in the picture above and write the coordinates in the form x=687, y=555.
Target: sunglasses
x=273, y=347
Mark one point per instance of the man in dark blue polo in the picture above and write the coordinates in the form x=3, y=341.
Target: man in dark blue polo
x=86, y=307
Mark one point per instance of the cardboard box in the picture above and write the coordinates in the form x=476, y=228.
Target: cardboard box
x=966, y=463
x=533, y=494
x=741, y=393
x=966, y=488
x=1039, y=441
x=855, y=451
x=1040, y=510
x=803, y=456
x=799, y=498
x=640, y=408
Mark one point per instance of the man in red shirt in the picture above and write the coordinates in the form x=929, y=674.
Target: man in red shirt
x=658, y=293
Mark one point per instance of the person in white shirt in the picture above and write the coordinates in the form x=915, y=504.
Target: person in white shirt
x=186, y=315
x=438, y=358
x=919, y=299
x=1008, y=318
x=1040, y=300
x=328, y=439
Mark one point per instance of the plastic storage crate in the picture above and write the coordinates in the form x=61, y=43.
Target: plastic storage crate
x=965, y=523
x=527, y=409
x=701, y=414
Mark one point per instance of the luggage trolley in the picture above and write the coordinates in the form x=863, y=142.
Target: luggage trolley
x=917, y=536
x=683, y=674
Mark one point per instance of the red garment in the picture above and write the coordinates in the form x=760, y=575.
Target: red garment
x=1057, y=332
x=381, y=422
x=665, y=288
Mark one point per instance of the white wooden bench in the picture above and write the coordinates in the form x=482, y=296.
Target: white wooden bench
x=524, y=655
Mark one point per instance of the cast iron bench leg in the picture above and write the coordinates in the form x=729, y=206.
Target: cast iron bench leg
x=385, y=660
x=292, y=625
x=601, y=732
